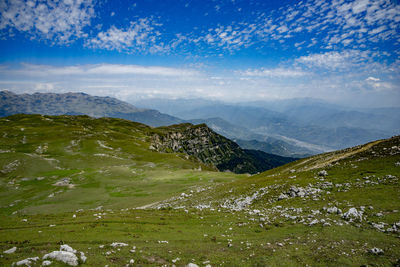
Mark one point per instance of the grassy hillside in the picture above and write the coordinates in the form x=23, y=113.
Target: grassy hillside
x=97, y=162
x=294, y=215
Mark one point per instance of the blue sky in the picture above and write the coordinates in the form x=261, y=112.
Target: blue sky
x=345, y=52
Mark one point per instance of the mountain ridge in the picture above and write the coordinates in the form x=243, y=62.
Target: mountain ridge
x=306, y=120
x=79, y=104
x=84, y=104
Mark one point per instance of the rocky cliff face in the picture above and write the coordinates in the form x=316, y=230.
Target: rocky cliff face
x=210, y=148
x=199, y=141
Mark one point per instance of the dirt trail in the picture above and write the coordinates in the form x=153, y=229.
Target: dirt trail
x=324, y=160
x=148, y=205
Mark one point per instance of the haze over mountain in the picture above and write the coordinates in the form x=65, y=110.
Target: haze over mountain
x=312, y=124
x=83, y=104
x=247, y=139
x=79, y=104
x=295, y=128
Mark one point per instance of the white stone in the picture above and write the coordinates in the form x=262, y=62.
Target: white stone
x=352, y=213
x=175, y=260
x=11, y=250
x=67, y=248
x=119, y=244
x=63, y=256
x=376, y=251
x=46, y=263
x=323, y=173
x=83, y=257
x=27, y=261
x=192, y=265
x=282, y=196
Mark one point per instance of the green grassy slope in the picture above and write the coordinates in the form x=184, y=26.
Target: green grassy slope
x=282, y=217
x=105, y=162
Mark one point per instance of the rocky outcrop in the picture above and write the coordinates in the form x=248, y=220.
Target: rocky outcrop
x=210, y=148
x=199, y=141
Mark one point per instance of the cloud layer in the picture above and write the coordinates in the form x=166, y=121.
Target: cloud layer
x=333, y=49
x=56, y=21
x=135, y=81
x=328, y=25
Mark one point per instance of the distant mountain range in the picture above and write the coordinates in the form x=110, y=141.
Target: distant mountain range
x=249, y=140
x=289, y=128
x=309, y=126
x=84, y=104
x=198, y=141
x=80, y=104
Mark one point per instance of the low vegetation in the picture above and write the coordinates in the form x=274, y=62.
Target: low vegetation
x=96, y=186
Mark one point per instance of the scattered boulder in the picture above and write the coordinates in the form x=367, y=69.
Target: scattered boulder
x=83, y=257
x=63, y=256
x=296, y=191
x=67, y=248
x=283, y=196
x=192, y=265
x=119, y=244
x=10, y=251
x=10, y=167
x=379, y=226
x=323, y=173
x=353, y=214
x=26, y=262
x=333, y=210
x=46, y=263
x=376, y=251
x=66, y=254
x=394, y=229
x=64, y=182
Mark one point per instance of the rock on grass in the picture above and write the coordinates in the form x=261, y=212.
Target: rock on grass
x=63, y=256
x=10, y=251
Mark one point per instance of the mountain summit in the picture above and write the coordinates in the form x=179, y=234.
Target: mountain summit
x=79, y=104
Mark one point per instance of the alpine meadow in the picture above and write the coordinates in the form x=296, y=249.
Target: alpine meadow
x=199, y=133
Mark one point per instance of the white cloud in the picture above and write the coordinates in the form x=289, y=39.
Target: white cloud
x=56, y=21
x=378, y=30
x=378, y=85
x=101, y=70
x=336, y=60
x=112, y=69
x=373, y=79
x=134, y=81
x=276, y=72
x=140, y=36
x=230, y=38
x=333, y=19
